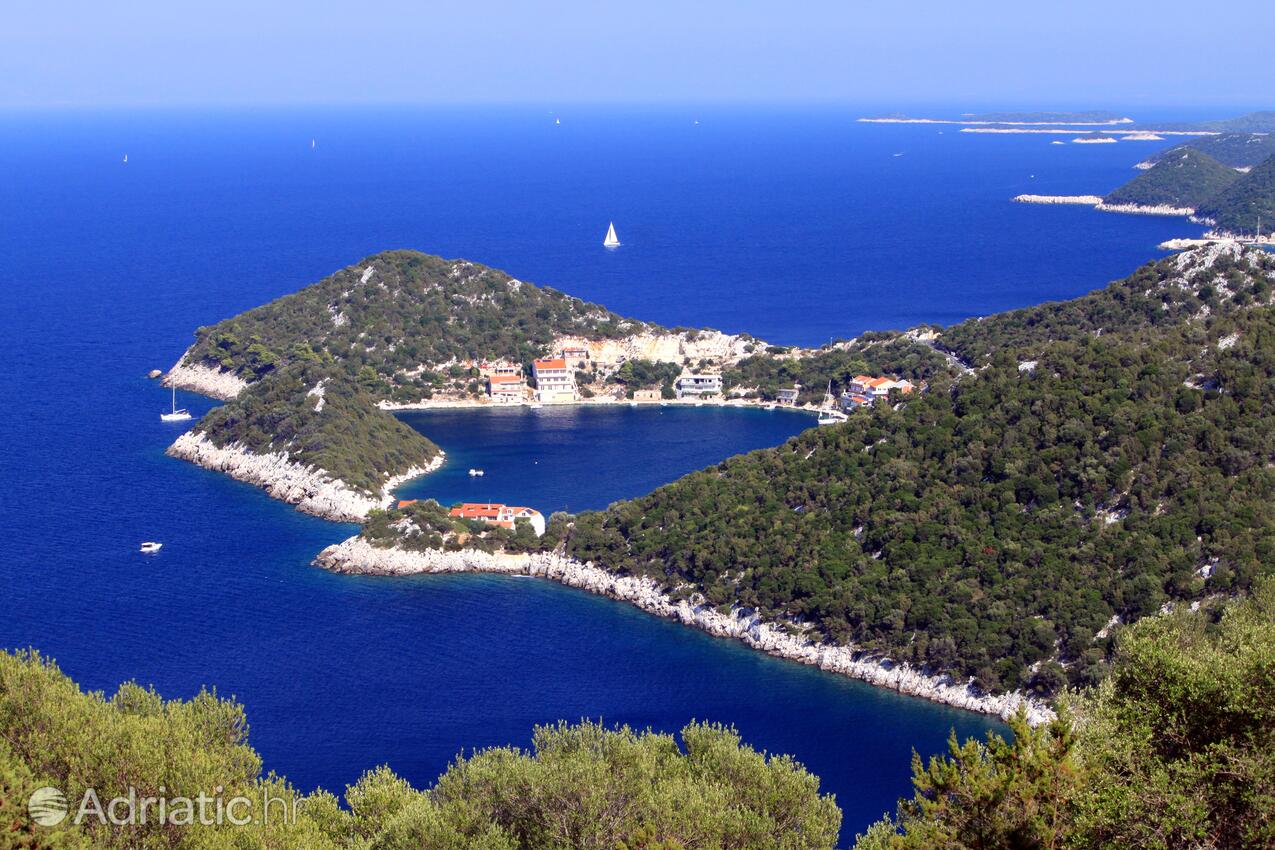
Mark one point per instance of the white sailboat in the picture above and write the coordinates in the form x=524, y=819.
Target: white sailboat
x=611, y=241
x=828, y=417
x=177, y=415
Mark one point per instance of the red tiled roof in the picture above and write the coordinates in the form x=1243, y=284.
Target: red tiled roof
x=505, y=379
x=522, y=511
x=476, y=510
x=552, y=363
x=402, y=503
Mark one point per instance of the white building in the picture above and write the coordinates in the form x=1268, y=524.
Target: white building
x=554, y=381
x=506, y=388
x=697, y=386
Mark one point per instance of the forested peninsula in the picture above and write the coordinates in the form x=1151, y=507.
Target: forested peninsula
x=1068, y=468
x=1234, y=201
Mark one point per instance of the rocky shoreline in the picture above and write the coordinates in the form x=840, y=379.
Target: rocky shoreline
x=357, y=556
x=205, y=380
x=1142, y=209
x=311, y=489
x=1098, y=203
x=1079, y=200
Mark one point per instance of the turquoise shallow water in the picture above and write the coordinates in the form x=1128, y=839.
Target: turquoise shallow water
x=793, y=225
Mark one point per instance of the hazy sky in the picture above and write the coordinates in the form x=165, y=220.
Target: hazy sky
x=1021, y=53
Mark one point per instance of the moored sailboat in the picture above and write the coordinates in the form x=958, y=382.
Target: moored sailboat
x=176, y=415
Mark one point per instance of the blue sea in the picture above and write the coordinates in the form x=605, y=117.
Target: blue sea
x=796, y=225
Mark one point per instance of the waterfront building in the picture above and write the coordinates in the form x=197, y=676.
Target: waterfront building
x=554, y=381
x=692, y=385
x=503, y=516
x=506, y=389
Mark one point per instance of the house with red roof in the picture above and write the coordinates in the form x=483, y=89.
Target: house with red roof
x=554, y=381
x=502, y=516
x=506, y=389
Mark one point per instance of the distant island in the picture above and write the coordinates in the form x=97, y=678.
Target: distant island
x=1117, y=126
x=986, y=516
x=1092, y=117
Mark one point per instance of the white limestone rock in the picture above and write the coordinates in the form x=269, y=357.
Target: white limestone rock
x=356, y=555
x=311, y=489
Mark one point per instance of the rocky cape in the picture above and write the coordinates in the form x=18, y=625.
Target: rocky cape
x=203, y=379
x=312, y=490
x=358, y=556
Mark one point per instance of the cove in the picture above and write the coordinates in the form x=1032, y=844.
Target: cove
x=580, y=457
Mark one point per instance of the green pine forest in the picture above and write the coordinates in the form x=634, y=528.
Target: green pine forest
x=1100, y=458
x=1188, y=176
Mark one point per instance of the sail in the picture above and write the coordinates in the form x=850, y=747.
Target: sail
x=612, y=240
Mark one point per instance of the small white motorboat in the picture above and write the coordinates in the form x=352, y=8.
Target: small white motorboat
x=150, y=547
x=177, y=415
x=475, y=473
x=537, y=406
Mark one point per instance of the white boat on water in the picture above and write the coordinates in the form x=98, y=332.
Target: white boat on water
x=475, y=473
x=536, y=406
x=150, y=547
x=177, y=415
x=611, y=240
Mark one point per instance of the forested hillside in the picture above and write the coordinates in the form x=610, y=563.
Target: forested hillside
x=399, y=310
x=1107, y=455
x=1175, y=750
x=1237, y=150
x=1247, y=204
x=399, y=325
x=1185, y=181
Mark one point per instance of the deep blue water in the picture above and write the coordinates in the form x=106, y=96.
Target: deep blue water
x=585, y=458
x=793, y=225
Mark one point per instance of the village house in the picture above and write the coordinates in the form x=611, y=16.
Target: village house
x=554, y=381
x=503, y=516
x=506, y=389
x=697, y=386
x=878, y=387
x=852, y=401
x=647, y=395
x=788, y=397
